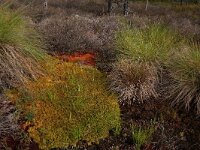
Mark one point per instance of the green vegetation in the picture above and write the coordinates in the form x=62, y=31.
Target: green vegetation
x=16, y=30
x=159, y=45
x=20, y=49
x=185, y=70
x=153, y=44
x=70, y=104
x=141, y=135
x=146, y=49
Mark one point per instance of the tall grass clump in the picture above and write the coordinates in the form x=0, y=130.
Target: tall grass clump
x=153, y=44
x=147, y=49
x=20, y=49
x=70, y=104
x=16, y=30
x=185, y=70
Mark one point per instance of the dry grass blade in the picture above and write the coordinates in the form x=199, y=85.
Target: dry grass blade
x=15, y=67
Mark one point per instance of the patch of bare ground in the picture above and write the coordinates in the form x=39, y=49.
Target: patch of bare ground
x=11, y=134
x=173, y=131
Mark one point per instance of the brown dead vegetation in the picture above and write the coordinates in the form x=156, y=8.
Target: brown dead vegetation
x=15, y=67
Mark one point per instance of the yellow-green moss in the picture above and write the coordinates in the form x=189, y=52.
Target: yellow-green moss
x=68, y=105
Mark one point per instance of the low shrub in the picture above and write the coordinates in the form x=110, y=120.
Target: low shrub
x=185, y=70
x=133, y=81
x=154, y=44
x=70, y=104
x=82, y=34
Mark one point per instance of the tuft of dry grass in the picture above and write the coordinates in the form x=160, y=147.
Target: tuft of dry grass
x=16, y=68
x=133, y=81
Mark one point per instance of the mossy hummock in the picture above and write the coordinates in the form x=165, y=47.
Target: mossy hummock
x=70, y=104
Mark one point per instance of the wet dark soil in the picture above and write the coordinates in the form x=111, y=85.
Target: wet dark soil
x=173, y=130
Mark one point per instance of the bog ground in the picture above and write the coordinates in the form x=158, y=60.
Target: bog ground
x=73, y=76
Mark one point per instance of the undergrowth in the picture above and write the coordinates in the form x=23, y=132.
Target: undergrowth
x=133, y=81
x=17, y=31
x=185, y=70
x=20, y=49
x=68, y=105
x=166, y=50
x=148, y=50
x=142, y=135
x=154, y=44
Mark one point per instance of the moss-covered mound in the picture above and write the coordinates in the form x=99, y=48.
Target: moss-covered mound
x=70, y=104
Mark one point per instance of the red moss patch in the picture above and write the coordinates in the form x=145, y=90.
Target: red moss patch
x=81, y=58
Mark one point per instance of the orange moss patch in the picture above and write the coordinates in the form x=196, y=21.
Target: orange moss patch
x=85, y=59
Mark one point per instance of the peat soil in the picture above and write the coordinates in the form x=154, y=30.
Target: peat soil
x=173, y=131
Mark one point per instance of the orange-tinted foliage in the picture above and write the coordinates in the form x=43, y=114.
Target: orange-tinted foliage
x=85, y=59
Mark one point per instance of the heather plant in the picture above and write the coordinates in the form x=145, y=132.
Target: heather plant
x=185, y=68
x=70, y=104
x=82, y=34
x=133, y=81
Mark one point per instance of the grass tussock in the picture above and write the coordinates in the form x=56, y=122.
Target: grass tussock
x=147, y=49
x=162, y=48
x=133, y=81
x=16, y=68
x=185, y=70
x=68, y=105
x=19, y=49
x=16, y=30
x=153, y=44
